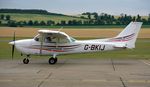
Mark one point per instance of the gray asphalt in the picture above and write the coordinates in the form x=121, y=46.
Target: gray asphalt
x=75, y=73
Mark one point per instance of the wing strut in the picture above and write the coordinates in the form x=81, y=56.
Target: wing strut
x=41, y=44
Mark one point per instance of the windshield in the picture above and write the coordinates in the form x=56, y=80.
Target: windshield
x=37, y=38
x=72, y=39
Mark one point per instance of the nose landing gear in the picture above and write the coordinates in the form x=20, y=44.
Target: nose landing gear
x=26, y=60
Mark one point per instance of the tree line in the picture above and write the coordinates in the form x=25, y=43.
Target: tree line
x=28, y=11
x=106, y=19
x=90, y=19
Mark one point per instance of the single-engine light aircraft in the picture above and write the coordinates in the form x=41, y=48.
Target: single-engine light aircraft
x=54, y=43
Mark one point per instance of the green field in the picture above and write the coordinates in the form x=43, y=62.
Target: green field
x=142, y=51
x=39, y=17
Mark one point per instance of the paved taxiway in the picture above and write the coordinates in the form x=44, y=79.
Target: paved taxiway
x=75, y=73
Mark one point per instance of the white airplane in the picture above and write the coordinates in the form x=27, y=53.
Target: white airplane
x=54, y=43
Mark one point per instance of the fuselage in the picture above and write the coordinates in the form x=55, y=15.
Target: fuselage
x=31, y=46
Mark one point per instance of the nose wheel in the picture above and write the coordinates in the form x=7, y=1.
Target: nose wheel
x=52, y=60
x=26, y=60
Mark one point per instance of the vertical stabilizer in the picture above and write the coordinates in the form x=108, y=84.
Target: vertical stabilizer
x=130, y=33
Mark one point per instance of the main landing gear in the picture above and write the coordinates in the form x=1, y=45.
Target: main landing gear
x=52, y=60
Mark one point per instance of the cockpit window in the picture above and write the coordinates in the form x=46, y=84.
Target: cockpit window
x=48, y=39
x=37, y=38
x=72, y=39
x=52, y=39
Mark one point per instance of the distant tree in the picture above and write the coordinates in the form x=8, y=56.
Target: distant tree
x=89, y=16
x=85, y=22
x=79, y=22
x=70, y=22
x=0, y=22
x=91, y=22
x=83, y=17
x=138, y=19
x=144, y=21
x=42, y=23
x=28, y=11
x=50, y=22
x=7, y=17
x=2, y=16
x=118, y=22
x=75, y=22
x=11, y=23
x=148, y=21
x=36, y=23
x=62, y=22
x=24, y=23
x=30, y=22
x=133, y=18
x=57, y=23
x=20, y=23
x=95, y=15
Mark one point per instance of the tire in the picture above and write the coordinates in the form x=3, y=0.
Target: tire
x=52, y=60
x=25, y=61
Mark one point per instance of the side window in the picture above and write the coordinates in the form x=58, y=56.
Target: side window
x=51, y=39
x=48, y=39
x=63, y=40
x=54, y=39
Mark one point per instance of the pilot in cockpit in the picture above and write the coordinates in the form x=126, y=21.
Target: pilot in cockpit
x=48, y=39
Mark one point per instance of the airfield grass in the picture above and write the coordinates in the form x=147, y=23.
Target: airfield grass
x=142, y=51
x=94, y=33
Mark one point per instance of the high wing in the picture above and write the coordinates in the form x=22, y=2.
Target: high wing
x=52, y=33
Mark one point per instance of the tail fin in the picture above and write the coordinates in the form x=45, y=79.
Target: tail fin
x=129, y=35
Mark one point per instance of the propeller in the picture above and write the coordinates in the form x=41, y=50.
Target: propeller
x=13, y=45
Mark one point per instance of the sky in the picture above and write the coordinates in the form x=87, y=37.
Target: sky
x=74, y=7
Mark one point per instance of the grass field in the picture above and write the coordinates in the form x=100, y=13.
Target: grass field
x=142, y=50
x=38, y=17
